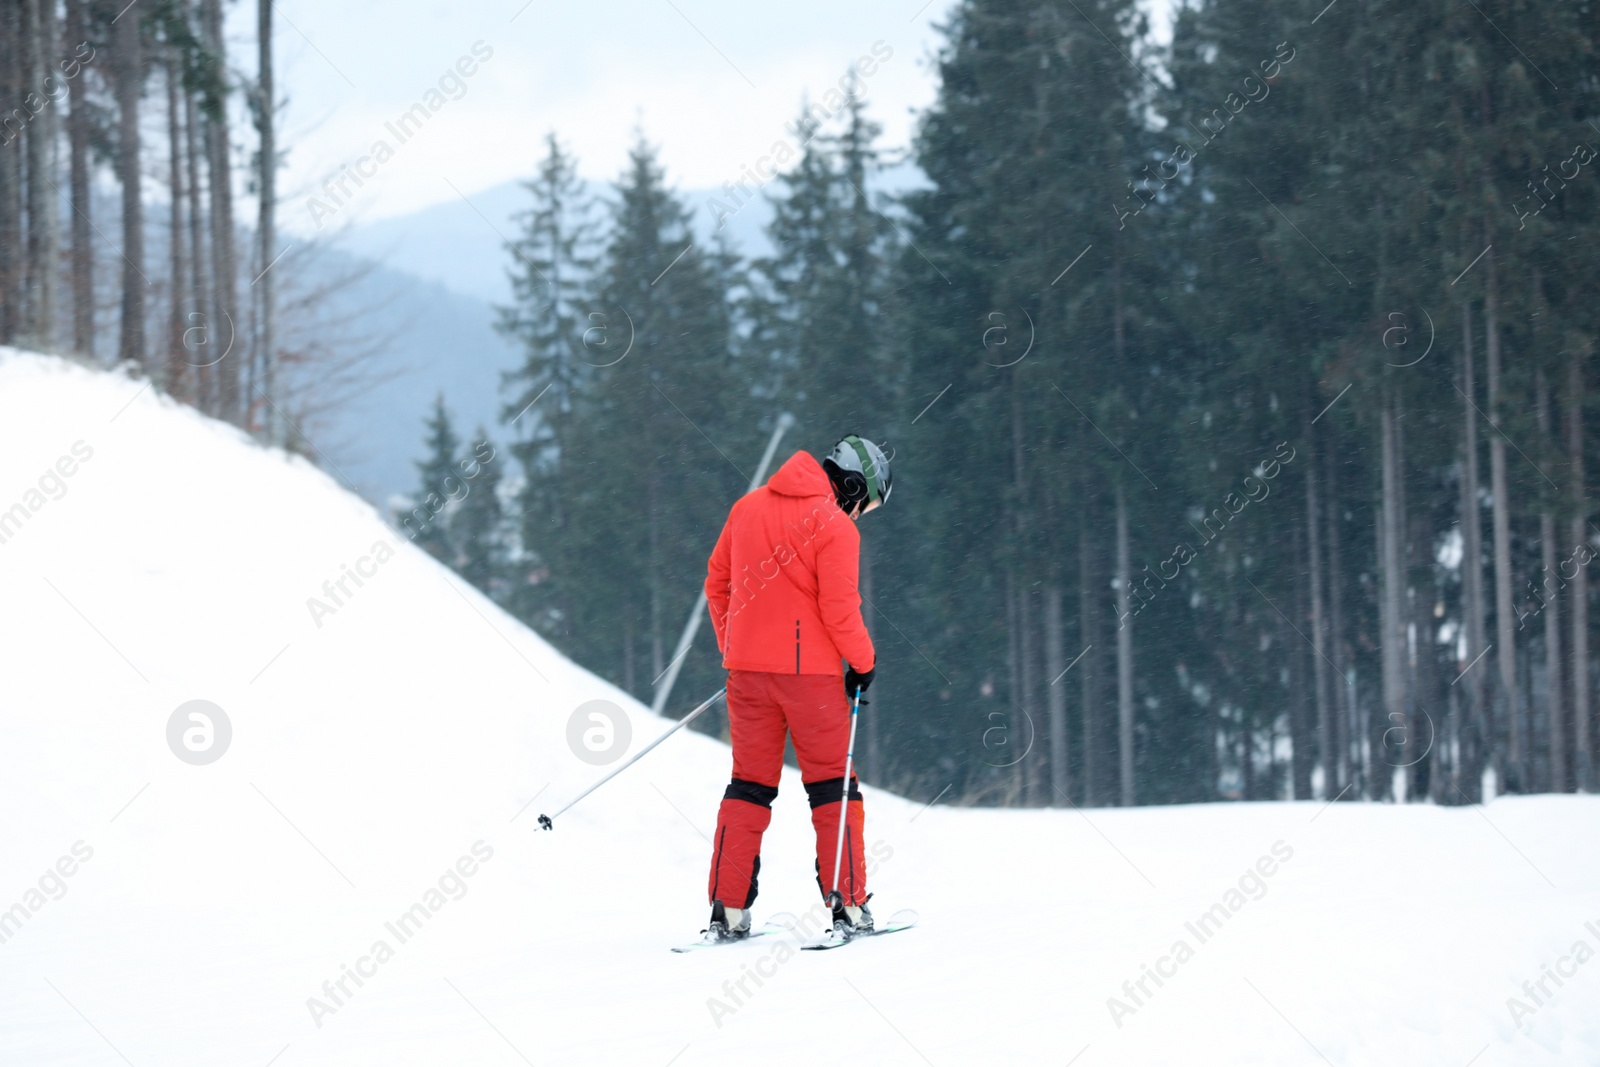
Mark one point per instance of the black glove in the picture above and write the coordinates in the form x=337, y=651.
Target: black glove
x=854, y=679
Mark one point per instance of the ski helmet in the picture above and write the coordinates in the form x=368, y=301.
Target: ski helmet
x=860, y=470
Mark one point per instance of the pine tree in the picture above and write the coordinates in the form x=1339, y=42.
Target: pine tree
x=552, y=260
x=800, y=286
x=648, y=467
x=823, y=288
x=1216, y=498
x=564, y=340
x=1020, y=243
x=439, y=486
x=819, y=315
x=477, y=528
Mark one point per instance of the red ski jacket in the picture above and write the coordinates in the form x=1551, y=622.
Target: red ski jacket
x=781, y=583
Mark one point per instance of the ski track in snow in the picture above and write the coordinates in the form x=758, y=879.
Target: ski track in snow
x=370, y=756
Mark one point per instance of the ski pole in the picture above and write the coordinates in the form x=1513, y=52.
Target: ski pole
x=546, y=821
x=834, y=899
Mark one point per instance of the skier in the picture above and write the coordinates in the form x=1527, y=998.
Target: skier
x=781, y=589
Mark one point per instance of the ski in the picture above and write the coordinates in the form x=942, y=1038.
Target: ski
x=904, y=919
x=780, y=923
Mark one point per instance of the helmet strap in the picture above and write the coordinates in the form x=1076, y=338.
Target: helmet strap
x=867, y=467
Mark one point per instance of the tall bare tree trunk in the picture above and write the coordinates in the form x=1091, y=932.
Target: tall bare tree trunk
x=658, y=656
x=873, y=766
x=1344, y=711
x=1416, y=559
x=1055, y=658
x=12, y=73
x=50, y=182
x=1301, y=708
x=1393, y=639
x=44, y=246
x=1579, y=538
x=1555, y=696
x=130, y=84
x=82, y=269
x=1319, y=629
x=1479, y=735
x=200, y=304
x=629, y=671
x=1426, y=710
x=1028, y=671
x=1036, y=769
x=1124, y=652
x=1088, y=590
x=1506, y=651
x=1124, y=567
x=1014, y=721
x=224, y=264
x=1413, y=621
x=1247, y=757
x=31, y=149
x=1371, y=735
x=176, y=380
x=1027, y=667
x=266, y=224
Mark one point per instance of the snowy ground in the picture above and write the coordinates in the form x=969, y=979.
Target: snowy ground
x=418, y=725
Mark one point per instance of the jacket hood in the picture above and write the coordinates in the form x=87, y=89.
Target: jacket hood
x=801, y=475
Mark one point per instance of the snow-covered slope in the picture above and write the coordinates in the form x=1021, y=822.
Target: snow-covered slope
x=397, y=754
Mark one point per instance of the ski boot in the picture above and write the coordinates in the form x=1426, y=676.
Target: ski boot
x=727, y=924
x=851, y=920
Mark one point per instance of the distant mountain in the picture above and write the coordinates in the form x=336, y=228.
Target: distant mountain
x=439, y=273
x=435, y=341
x=461, y=244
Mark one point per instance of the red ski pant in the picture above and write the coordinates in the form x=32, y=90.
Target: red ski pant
x=763, y=708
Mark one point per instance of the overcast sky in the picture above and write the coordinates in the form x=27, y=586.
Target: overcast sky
x=711, y=82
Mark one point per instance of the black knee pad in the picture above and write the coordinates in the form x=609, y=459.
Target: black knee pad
x=829, y=790
x=751, y=792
